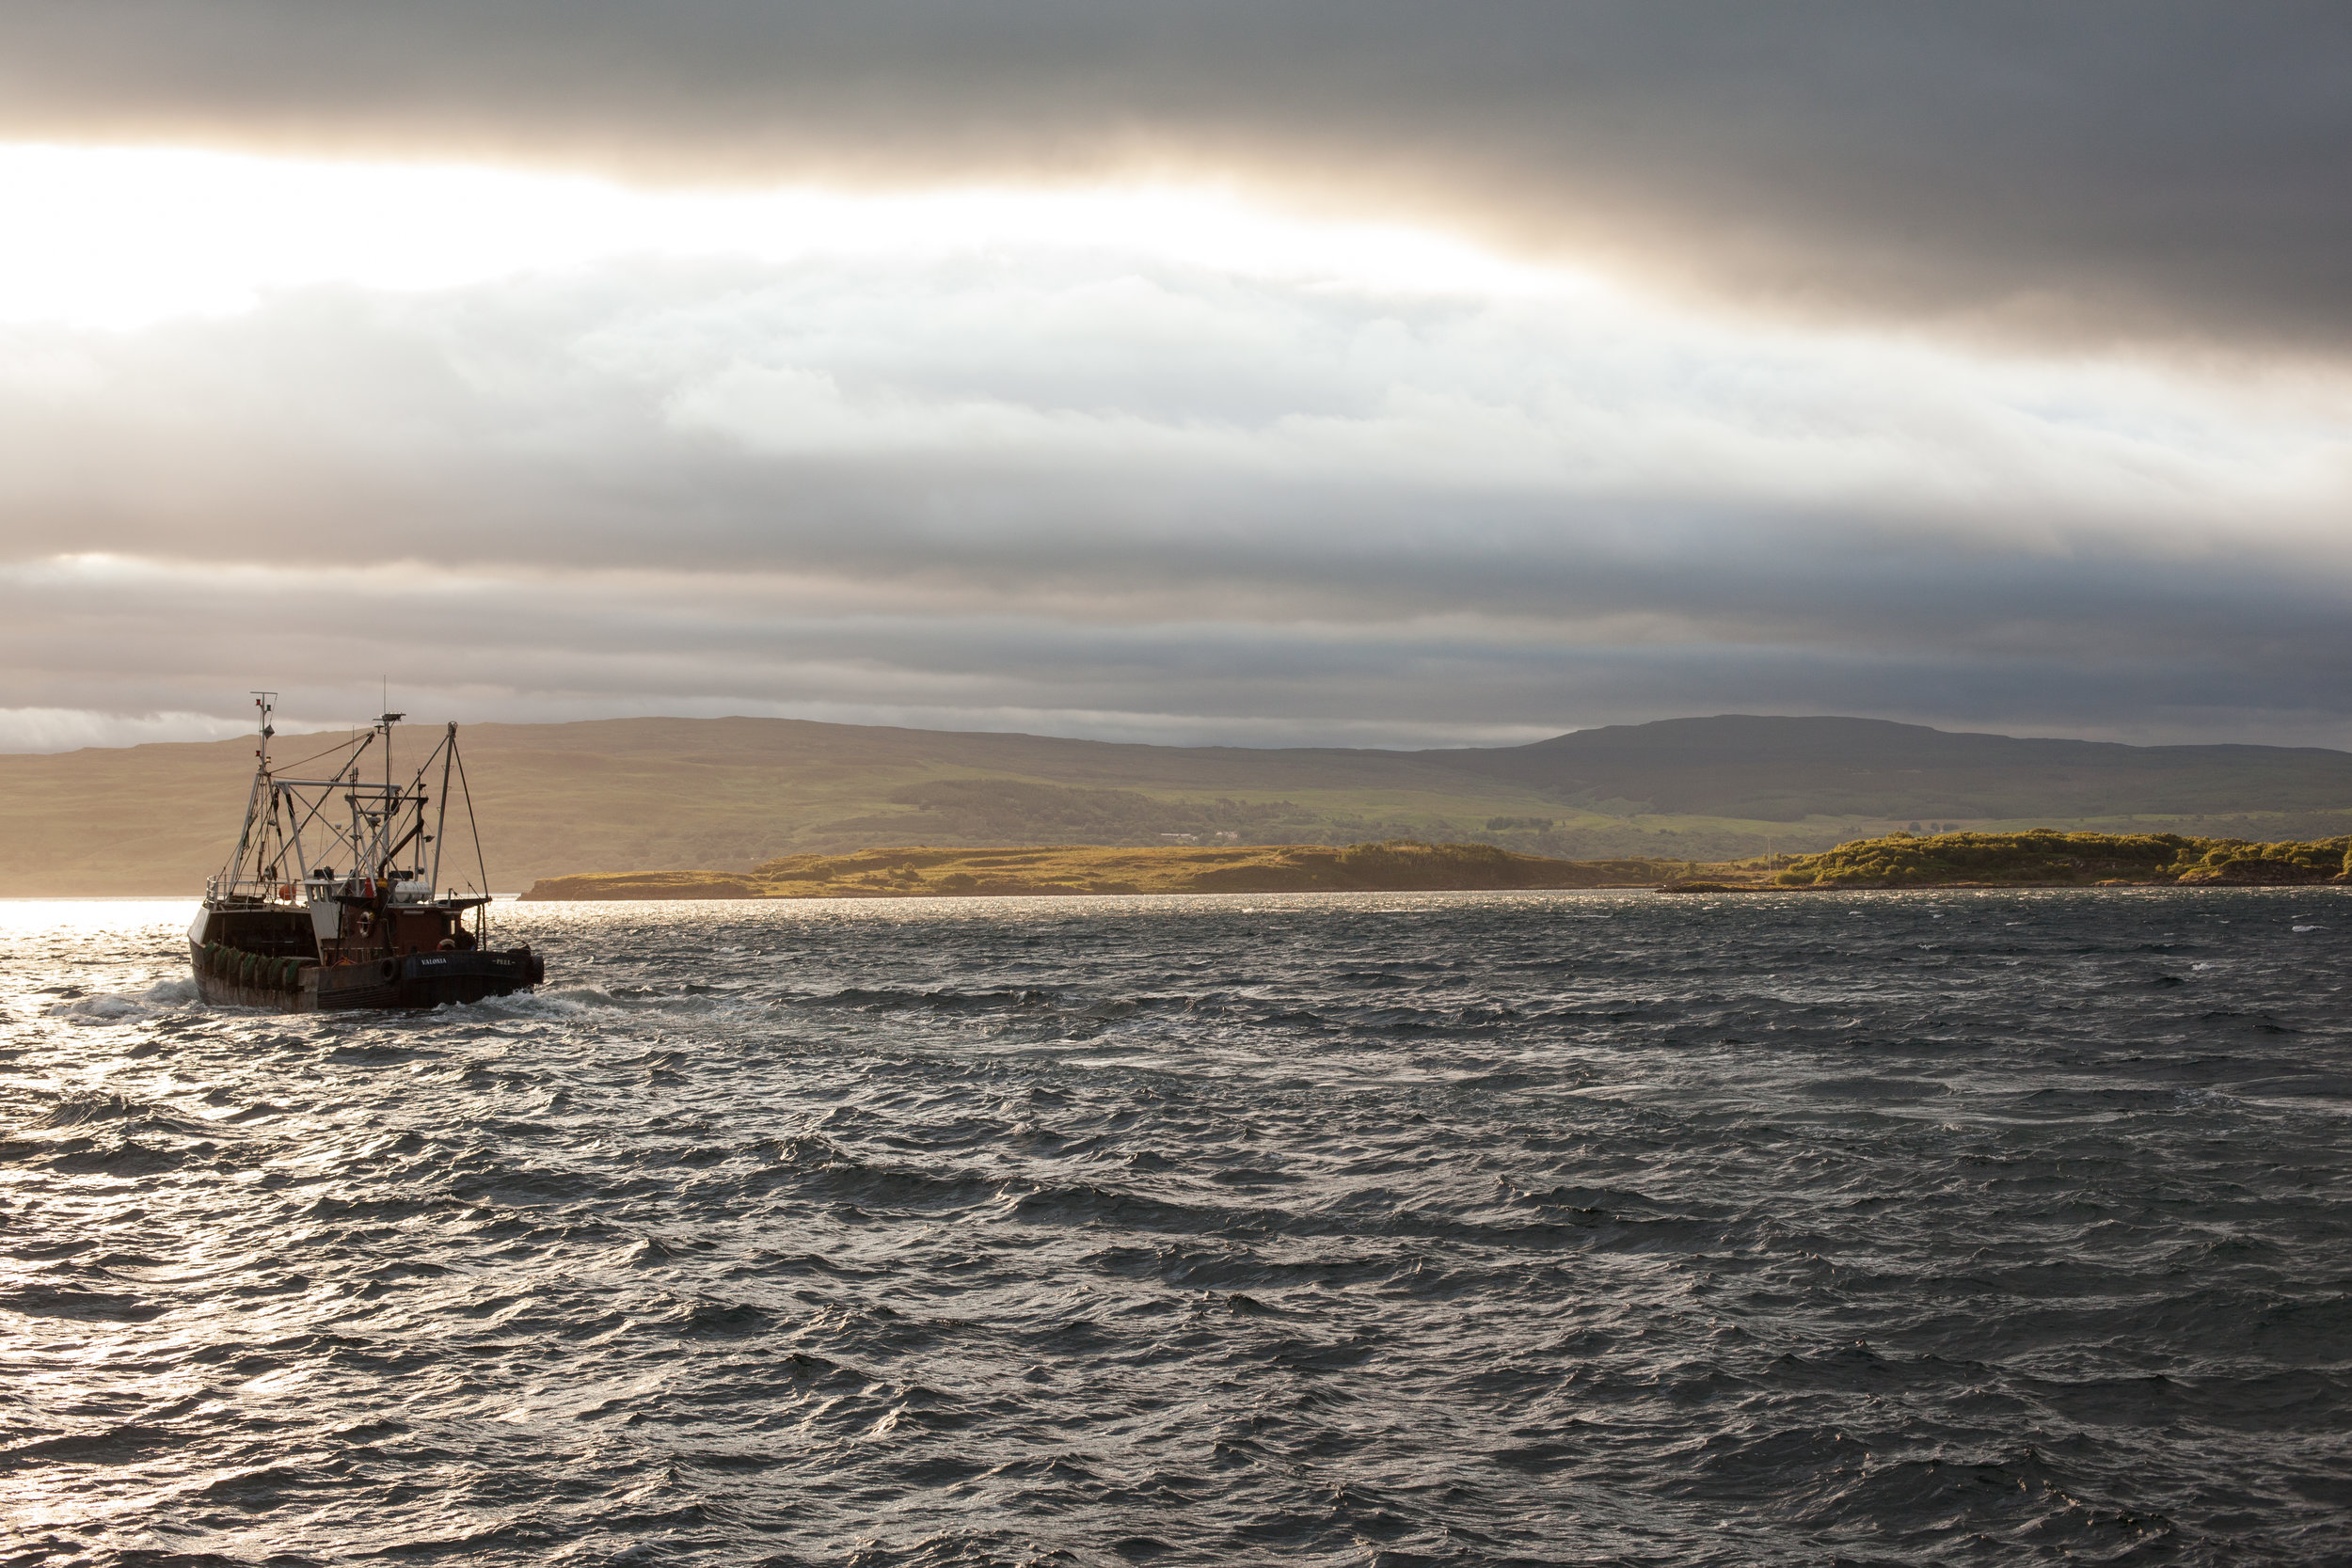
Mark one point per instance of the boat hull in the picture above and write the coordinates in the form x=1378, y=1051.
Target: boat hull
x=410, y=983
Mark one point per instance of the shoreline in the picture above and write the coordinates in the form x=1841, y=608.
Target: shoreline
x=880, y=896
x=2042, y=858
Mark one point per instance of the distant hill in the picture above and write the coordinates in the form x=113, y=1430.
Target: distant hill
x=1786, y=770
x=727, y=794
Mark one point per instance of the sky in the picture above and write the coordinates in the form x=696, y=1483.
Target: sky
x=1290, y=373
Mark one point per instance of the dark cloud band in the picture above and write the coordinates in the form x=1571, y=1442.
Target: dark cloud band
x=2171, y=172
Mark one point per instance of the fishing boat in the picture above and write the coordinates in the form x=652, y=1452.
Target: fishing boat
x=334, y=898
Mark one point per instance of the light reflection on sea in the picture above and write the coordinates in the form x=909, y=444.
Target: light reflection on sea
x=1518, y=1227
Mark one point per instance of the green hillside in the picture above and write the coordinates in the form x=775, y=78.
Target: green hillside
x=727, y=794
x=923, y=872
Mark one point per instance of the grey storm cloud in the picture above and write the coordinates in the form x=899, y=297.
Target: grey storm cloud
x=2101, y=166
x=1979, y=364
x=1333, y=457
x=115, y=642
x=1225, y=509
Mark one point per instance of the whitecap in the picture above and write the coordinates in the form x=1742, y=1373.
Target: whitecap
x=105, y=1007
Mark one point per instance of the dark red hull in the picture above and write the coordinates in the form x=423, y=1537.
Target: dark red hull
x=413, y=982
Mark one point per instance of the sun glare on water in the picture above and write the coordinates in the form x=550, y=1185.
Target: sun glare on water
x=125, y=237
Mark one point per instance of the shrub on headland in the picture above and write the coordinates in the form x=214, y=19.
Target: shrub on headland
x=2046, y=856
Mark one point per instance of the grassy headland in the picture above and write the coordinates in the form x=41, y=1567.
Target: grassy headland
x=1397, y=866
x=2046, y=857
x=2040, y=858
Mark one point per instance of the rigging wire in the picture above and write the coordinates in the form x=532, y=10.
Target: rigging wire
x=475, y=828
x=315, y=756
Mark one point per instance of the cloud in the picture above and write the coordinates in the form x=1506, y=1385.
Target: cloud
x=1072, y=484
x=111, y=633
x=2063, y=171
x=1202, y=370
x=54, y=729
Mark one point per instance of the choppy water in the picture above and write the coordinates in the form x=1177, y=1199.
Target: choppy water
x=1887, y=1228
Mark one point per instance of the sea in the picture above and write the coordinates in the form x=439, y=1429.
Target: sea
x=1933, y=1227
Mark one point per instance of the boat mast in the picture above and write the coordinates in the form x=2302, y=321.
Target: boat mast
x=380, y=856
x=265, y=700
x=440, y=821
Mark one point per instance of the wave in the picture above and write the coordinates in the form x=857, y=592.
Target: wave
x=1758, y=1234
